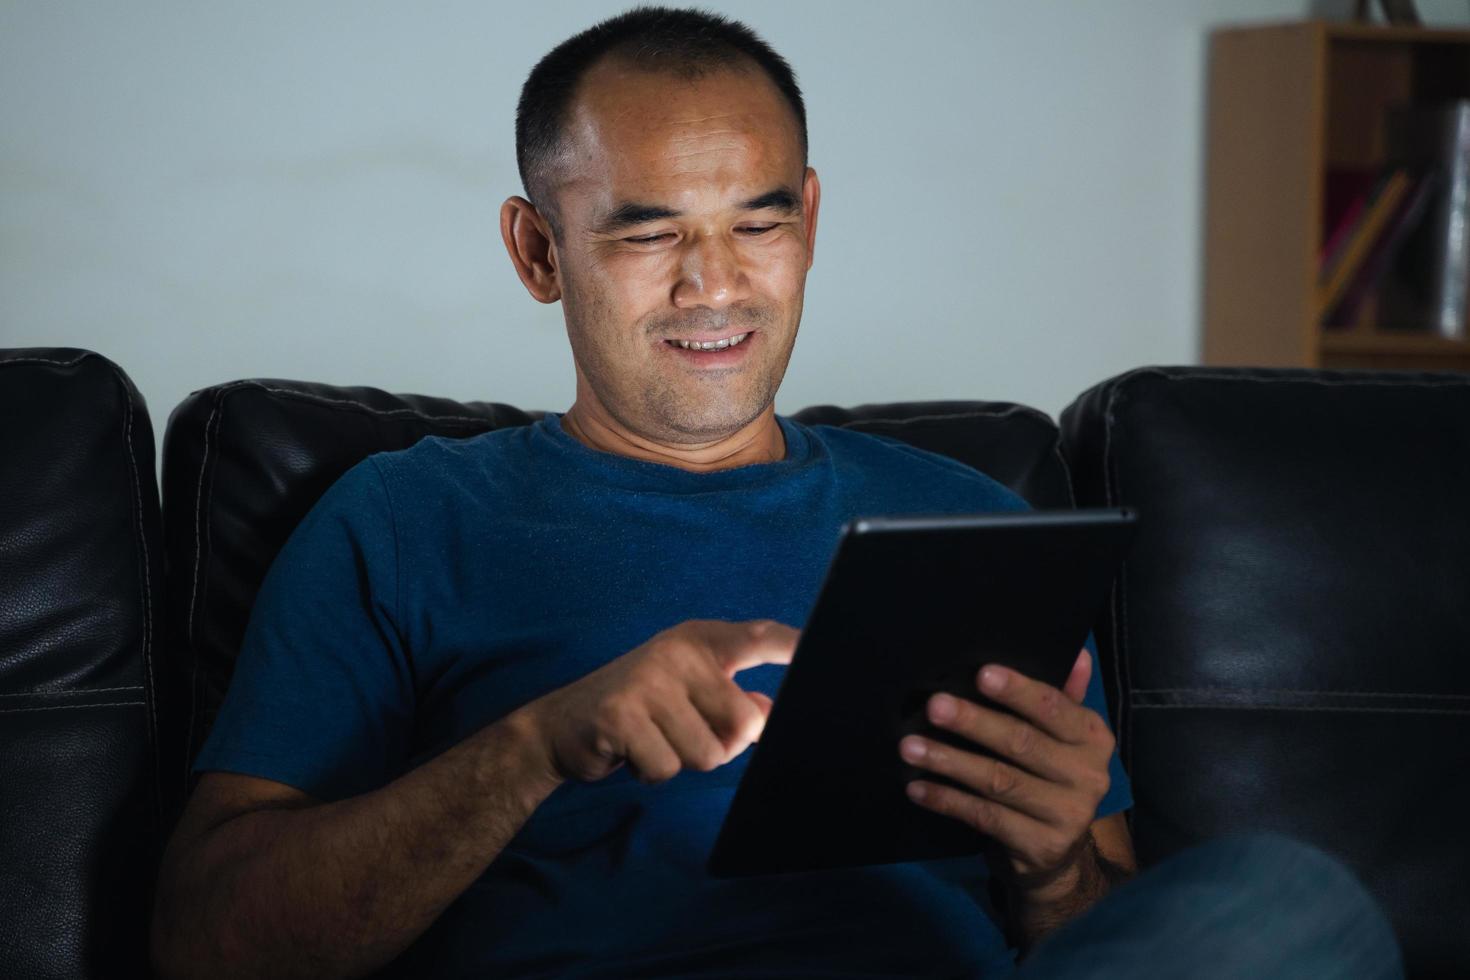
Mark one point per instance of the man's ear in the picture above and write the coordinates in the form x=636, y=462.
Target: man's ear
x=811, y=200
x=532, y=250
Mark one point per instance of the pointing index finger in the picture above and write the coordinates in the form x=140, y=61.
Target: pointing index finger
x=740, y=646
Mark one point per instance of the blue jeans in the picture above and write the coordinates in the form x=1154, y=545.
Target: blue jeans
x=1254, y=907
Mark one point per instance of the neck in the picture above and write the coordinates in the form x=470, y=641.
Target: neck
x=760, y=441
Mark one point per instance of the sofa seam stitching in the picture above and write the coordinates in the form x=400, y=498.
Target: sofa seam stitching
x=46, y=360
x=147, y=585
x=406, y=411
x=192, y=641
x=79, y=692
x=73, y=707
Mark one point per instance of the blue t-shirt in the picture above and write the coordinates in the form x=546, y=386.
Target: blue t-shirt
x=432, y=591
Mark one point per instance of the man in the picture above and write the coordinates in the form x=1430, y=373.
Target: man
x=486, y=718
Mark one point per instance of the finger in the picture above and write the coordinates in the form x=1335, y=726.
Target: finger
x=1014, y=739
x=729, y=712
x=1041, y=704
x=649, y=754
x=740, y=646
x=1035, y=842
x=992, y=779
x=690, y=736
x=1076, y=686
x=762, y=703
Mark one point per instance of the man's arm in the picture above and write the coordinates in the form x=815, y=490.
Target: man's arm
x=262, y=880
x=1096, y=868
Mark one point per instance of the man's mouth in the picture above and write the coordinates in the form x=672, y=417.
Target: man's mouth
x=720, y=344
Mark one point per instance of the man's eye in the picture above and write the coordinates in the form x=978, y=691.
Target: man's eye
x=650, y=239
x=756, y=229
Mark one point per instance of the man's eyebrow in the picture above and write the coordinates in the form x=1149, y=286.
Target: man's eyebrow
x=780, y=199
x=631, y=214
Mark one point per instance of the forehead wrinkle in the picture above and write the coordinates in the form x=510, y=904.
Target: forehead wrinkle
x=731, y=145
x=688, y=137
x=699, y=120
x=697, y=153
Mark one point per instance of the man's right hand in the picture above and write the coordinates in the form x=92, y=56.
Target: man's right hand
x=253, y=879
x=669, y=705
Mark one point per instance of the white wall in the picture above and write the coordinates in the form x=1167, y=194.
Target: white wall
x=1011, y=210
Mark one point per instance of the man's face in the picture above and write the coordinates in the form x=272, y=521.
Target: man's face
x=687, y=217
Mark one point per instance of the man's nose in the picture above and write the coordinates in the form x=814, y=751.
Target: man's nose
x=710, y=275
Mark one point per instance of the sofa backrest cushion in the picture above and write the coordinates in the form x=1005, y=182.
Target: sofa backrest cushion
x=245, y=461
x=80, y=584
x=1289, y=634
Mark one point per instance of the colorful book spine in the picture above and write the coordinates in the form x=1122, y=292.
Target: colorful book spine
x=1338, y=272
x=1366, y=283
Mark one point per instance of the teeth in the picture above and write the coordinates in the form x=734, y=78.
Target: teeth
x=712, y=344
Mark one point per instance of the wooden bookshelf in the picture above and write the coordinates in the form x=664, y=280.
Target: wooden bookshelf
x=1289, y=103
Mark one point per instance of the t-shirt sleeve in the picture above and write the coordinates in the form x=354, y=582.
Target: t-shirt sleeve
x=1120, y=791
x=322, y=695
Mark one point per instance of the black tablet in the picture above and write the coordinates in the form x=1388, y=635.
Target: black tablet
x=910, y=606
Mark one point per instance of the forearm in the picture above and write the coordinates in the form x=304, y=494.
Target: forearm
x=1039, y=907
x=339, y=889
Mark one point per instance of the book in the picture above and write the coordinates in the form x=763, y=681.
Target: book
x=1366, y=283
x=1338, y=271
x=1345, y=193
x=1426, y=287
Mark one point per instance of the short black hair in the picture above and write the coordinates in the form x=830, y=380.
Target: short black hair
x=684, y=42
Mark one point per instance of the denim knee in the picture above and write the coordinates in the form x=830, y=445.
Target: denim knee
x=1259, y=905
x=1306, y=902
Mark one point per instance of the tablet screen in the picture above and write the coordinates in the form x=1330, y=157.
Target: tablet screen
x=910, y=606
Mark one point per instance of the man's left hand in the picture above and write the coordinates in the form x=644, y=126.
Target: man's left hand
x=1038, y=799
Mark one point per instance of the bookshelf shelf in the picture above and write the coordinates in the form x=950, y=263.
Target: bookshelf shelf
x=1289, y=104
x=1384, y=350
x=1386, y=342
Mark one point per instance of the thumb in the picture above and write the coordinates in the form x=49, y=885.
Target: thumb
x=1076, y=685
x=761, y=702
x=763, y=705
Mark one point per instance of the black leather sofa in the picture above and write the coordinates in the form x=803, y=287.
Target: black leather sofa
x=1285, y=650
x=82, y=814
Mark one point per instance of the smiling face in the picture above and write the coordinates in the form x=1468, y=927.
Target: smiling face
x=687, y=221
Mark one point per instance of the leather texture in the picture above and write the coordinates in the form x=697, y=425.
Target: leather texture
x=81, y=818
x=1016, y=445
x=245, y=461
x=1288, y=637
